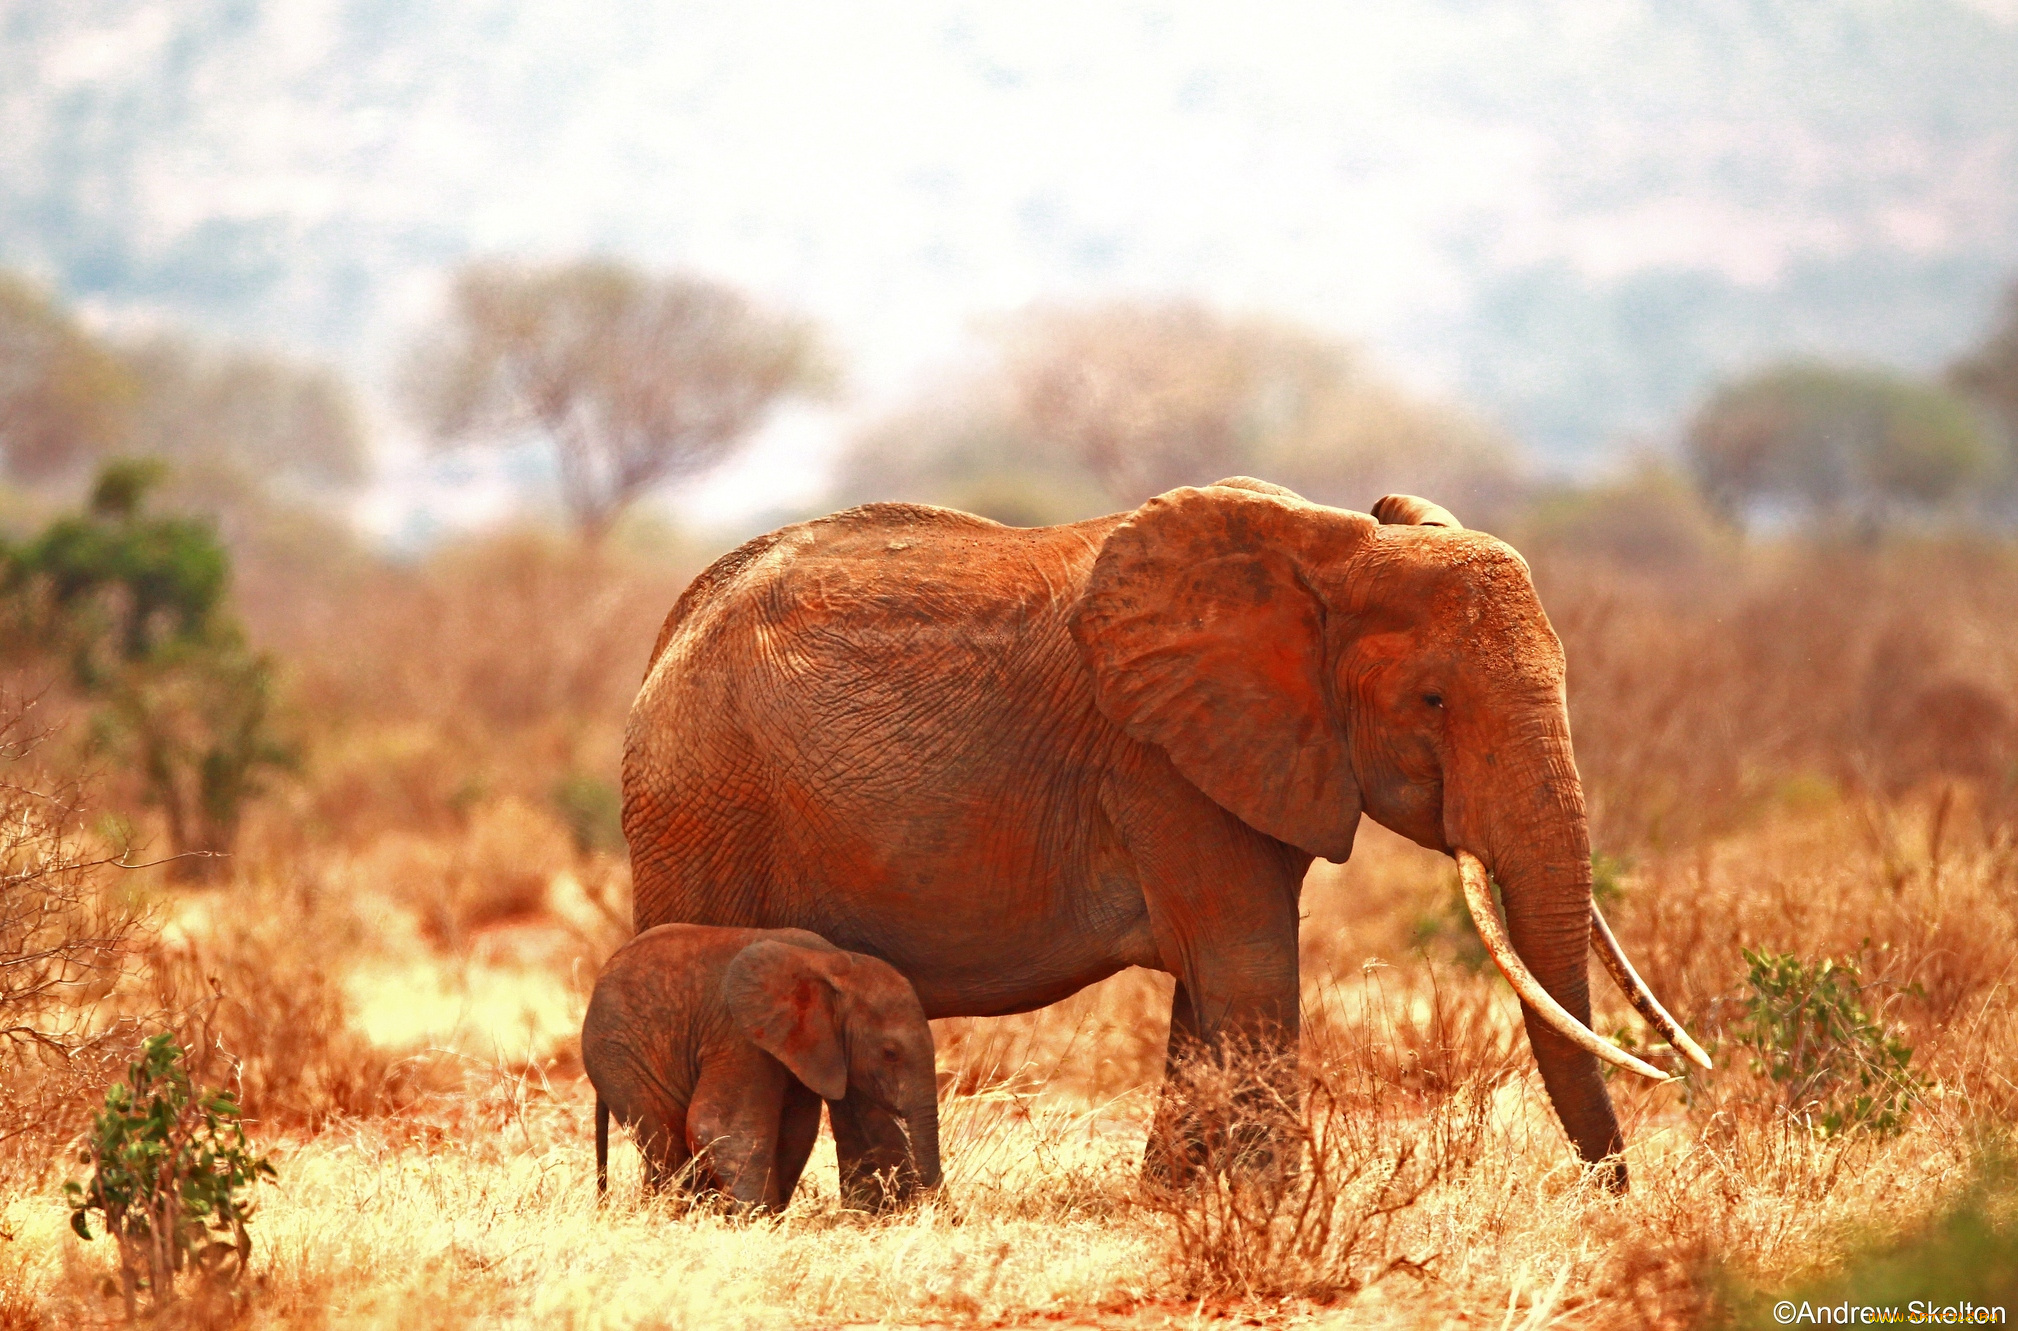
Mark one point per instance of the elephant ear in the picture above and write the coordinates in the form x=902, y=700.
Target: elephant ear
x=784, y=999
x=1413, y=511
x=1205, y=638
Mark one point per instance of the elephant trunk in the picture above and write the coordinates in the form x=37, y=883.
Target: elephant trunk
x=1548, y=910
x=1539, y=851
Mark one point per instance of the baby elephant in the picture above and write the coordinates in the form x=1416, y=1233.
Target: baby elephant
x=721, y=1043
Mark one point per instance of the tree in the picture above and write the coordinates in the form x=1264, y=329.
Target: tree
x=1837, y=443
x=636, y=381
x=136, y=604
x=65, y=398
x=1132, y=398
x=965, y=446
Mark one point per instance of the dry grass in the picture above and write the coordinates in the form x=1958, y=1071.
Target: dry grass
x=1447, y=1188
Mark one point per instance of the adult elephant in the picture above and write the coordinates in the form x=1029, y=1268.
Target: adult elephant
x=1012, y=761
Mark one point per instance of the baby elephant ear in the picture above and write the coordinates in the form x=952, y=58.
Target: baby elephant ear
x=783, y=998
x=1204, y=630
x=1413, y=511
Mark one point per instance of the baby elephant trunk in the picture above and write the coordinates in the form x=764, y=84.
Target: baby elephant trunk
x=923, y=1127
x=887, y=1154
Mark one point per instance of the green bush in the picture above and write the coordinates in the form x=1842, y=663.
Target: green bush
x=1810, y=1031
x=168, y=1165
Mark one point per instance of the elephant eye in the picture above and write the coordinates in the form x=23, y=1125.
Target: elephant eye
x=1433, y=699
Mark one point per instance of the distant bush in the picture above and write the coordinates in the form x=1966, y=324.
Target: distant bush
x=168, y=1164
x=593, y=809
x=1652, y=519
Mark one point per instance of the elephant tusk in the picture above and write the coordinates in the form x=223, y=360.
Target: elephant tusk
x=1636, y=990
x=1478, y=896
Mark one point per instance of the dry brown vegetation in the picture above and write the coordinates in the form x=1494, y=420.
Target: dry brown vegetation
x=1793, y=750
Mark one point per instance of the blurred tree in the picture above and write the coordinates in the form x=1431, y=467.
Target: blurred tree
x=636, y=380
x=136, y=604
x=65, y=398
x=1102, y=406
x=965, y=447
x=1837, y=443
x=1152, y=395
x=1989, y=374
x=242, y=429
x=237, y=424
x=1650, y=519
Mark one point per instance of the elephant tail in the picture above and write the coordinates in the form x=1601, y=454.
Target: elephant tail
x=602, y=1147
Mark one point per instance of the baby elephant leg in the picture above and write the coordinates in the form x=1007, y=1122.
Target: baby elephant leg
x=733, y=1124
x=798, y=1128
x=662, y=1141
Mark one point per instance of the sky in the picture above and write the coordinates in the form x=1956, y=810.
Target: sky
x=1572, y=216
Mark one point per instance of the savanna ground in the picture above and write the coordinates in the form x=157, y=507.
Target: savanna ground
x=1797, y=751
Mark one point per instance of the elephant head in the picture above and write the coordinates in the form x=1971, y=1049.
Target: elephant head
x=851, y=1028
x=1302, y=664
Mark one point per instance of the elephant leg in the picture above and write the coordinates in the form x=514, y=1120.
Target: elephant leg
x=798, y=1128
x=1175, y=1151
x=1222, y=903
x=1226, y=1095
x=733, y=1121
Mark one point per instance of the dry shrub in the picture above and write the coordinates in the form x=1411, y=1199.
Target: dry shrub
x=1299, y=1185
x=67, y=939
x=500, y=665
x=501, y=633
x=255, y=993
x=1933, y=917
x=498, y=865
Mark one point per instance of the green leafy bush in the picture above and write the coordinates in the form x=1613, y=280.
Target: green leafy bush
x=168, y=1165
x=1810, y=1031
